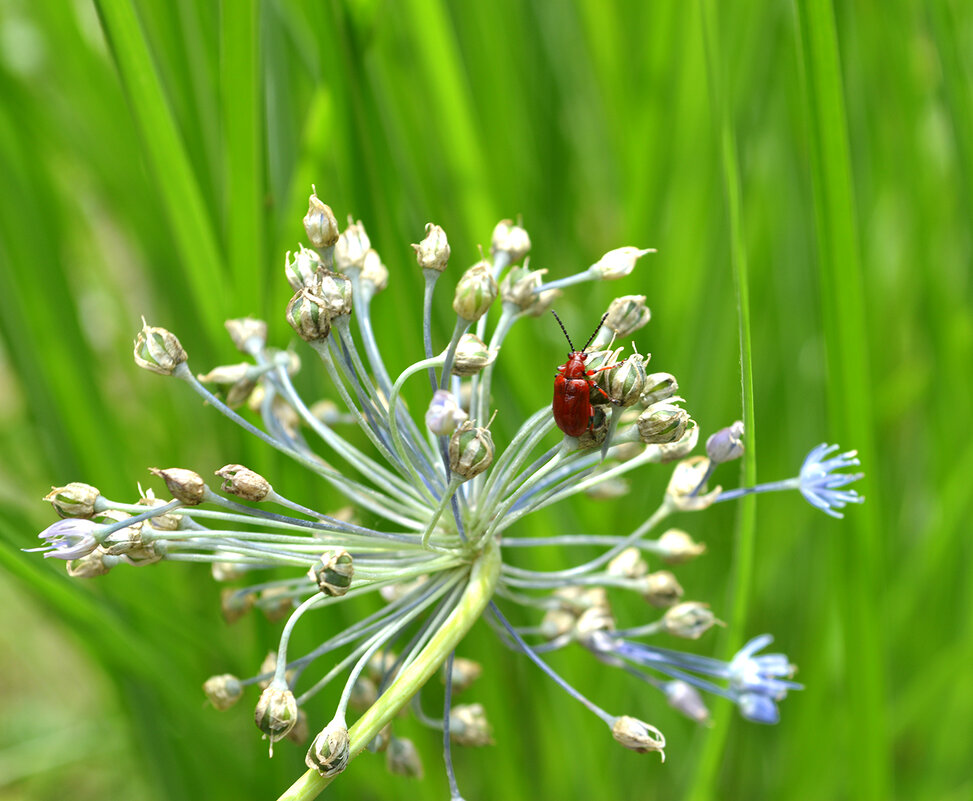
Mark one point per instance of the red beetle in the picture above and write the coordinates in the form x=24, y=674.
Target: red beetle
x=572, y=385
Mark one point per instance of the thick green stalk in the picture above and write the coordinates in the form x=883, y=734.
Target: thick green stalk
x=482, y=582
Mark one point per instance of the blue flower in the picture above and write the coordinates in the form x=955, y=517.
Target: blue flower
x=68, y=539
x=821, y=485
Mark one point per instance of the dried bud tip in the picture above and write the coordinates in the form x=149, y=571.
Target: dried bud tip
x=639, y=736
x=158, y=350
x=618, y=263
x=184, y=485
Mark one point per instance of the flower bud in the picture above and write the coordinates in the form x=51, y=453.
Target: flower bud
x=335, y=292
x=308, y=316
x=685, y=698
x=301, y=730
x=158, y=350
x=184, y=485
x=234, y=604
x=557, y=622
x=682, y=447
x=402, y=758
x=639, y=736
x=364, y=693
x=519, y=287
x=276, y=711
x=228, y=570
x=543, y=302
x=164, y=522
x=689, y=620
x=373, y=272
x=247, y=333
x=74, y=500
x=591, y=621
x=243, y=482
x=510, y=239
x=300, y=267
x=475, y=292
x=464, y=673
x=618, y=263
x=275, y=603
x=97, y=563
x=468, y=726
x=594, y=435
x=69, y=539
x=661, y=423
x=223, y=691
x=685, y=491
x=380, y=742
x=676, y=547
x=352, y=245
x=333, y=572
x=320, y=223
x=330, y=751
x=628, y=564
x=472, y=355
x=661, y=589
x=659, y=387
x=625, y=381
x=444, y=413
x=726, y=444
x=381, y=666
x=432, y=253
x=626, y=315
x=470, y=450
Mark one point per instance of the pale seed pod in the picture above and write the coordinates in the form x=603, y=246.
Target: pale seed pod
x=74, y=499
x=301, y=730
x=158, y=350
x=475, y=292
x=465, y=672
x=618, y=263
x=333, y=572
x=659, y=387
x=364, y=693
x=557, y=622
x=432, y=253
x=626, y=380
x=468, y=726
x=308, y=315
x=519, y=287
x=276, y=712
x=470, y=450
x=243, y=482
x=545, y=299
x=351, y=247
x=628, y=564
x=380, y=742
x=335, y=292
x=676, y=547
x=300, y=267
x=248, y=333
x=184, y=485
x=320, y=223
x=627, y=314
x=373, y=272
x=330, y=751
x=275, y=603
x=511, y=239
x=689, y=620
x=97, y=563
x=661, y=589
x=223, y=691
x=686, y=478
x=234, y=604
x=639, y=736
x=472, y=355
x=402, y=758
x=662, y=423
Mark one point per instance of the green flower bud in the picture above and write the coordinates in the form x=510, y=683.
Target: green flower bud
x=659, y=387
x=309, y=316
x=625, y=381
x=402, y=758
x=639, y=736
x=320, y=223
x=158, y=350
x=184, y=485
x=661, y=589
x=276, y=711
x=352, y=245
x=676, y=547
x=472, y=355
x=247, y=333
x=243, y=482
x=330, y=751
x=475, y=292
x=301, y=267
x=618, y=263
x=511, y=239
x=74, y=500
x=662, y=422
x=223, y=691
x=432, y=253
x=519, y=286
x=689, y=620
x=468, y=726
x=333, y=572
x=470, y=450
x=627, y=314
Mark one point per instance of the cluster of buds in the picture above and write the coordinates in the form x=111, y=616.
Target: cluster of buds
x=443, y=500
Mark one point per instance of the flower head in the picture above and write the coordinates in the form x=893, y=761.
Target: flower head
x=821, y=485
x=68, y=539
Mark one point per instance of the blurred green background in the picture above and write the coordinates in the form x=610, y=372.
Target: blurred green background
x=156, y=159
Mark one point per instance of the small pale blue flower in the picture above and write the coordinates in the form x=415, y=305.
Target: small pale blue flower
x=67, y=539
x=821, y=485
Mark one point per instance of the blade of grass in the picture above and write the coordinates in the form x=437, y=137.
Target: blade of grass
x=706, y=774
x=858, y=558
x=191, y=221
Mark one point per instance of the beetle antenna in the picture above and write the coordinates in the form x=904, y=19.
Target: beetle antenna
x=591, y=338
x=565, y=330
